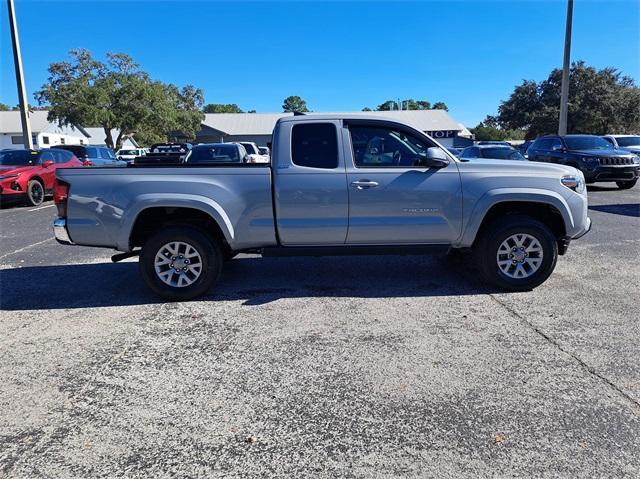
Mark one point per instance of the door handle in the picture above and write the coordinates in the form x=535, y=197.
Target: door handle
x=364, y=184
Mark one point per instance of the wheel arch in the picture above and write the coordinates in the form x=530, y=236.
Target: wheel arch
x=150, y=214
x=546, y=206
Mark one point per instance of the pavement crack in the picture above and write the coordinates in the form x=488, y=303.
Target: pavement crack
x=635, y=404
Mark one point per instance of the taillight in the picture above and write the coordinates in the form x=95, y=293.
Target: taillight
x=60, y=197
x=87, y=163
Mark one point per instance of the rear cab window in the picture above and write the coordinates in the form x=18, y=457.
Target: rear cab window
x=315, y=145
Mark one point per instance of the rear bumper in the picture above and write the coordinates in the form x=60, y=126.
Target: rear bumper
x=60, y=231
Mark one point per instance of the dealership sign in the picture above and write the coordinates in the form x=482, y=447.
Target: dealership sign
x=443, y=133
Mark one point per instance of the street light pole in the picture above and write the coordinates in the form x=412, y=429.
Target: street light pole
x=22, y=92
x=564, y=92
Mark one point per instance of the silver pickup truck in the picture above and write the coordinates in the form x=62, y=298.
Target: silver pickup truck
x=336, y=185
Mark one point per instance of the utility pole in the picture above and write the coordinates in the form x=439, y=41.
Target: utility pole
x=22, y=92
x=564, y=92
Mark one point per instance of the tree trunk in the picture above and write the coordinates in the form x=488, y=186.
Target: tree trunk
x=122, y=137
x=108, y=140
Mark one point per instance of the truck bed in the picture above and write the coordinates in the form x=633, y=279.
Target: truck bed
x=104, y=203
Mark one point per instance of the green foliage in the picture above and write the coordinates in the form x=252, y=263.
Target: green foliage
x=600, y=102
x=366, y=108
x=410, y=104
x=294, y=103
x=117, y=94
x=222, y=108
x=489, y=129
x=4, y=107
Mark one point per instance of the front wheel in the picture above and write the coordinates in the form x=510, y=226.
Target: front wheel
x=35, y=193
x=625, y=185
x=516, y=253
x=180, y=263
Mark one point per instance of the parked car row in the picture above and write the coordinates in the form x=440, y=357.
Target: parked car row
x=610, y=158
x=184, y=153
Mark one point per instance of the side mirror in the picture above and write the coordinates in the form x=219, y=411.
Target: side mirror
x=47, y=163
x=434, y=158
x=557, y=148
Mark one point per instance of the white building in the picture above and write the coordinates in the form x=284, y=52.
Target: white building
x=44, y=132
x=97, y=137
x=257, y=127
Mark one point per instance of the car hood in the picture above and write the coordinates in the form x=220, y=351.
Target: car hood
x=631, y=149
x=519, y=167
x=12, y=170
x=602, y=153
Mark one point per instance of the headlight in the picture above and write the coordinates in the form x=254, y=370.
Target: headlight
x=9, y=176
x=573, y=182
x=636, y=160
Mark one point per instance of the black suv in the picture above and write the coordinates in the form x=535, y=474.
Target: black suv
x=591, y=154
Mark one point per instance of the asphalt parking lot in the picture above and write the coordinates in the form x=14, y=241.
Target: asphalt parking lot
x=321, y=367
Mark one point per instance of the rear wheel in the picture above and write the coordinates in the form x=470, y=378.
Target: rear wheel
x=180, y=263
x=35, y=193
x=516, y=253
x=625, y=185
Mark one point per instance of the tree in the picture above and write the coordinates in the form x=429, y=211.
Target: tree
x=222, y=108
x=489, y=129
x=410, y=104
x=118, y=95
x=366, y=108
x=4, y=107
x=600, y=101
x=387, y=106
x=440, y=105
x=294, y=103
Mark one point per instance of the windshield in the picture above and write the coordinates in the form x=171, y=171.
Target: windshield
x=223, y=153
x=128, y=152
x=250, y=148
x=628, y=140
x=501, y=154
x=18, y=158
x=586, y=143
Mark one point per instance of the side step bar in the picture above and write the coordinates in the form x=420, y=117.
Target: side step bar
x=352, y=250
x=129, y=254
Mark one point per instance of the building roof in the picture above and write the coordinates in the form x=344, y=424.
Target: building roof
x=263, y=123
x=10, y=122
x=243, y=123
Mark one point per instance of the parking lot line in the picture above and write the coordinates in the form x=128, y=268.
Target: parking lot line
x=41, y=207
x=26, y=247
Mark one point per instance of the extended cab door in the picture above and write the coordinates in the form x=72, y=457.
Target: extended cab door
x=393, y=200
x=310, y=189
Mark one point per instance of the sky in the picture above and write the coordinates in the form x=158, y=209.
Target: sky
x=338, y=56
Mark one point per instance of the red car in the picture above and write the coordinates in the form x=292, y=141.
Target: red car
x=29, y=175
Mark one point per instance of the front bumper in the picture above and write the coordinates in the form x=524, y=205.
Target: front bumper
x=585, y=230
x=60, y=231
x=612, y=173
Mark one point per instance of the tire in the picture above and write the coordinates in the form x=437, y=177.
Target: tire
x=158, y=252
x=35, y=193
x=625, y=185
x=496, y=244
